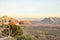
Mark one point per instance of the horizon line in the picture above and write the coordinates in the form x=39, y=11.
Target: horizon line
x=30, y=17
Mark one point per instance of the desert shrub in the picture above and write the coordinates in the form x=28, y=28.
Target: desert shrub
x=16, y=31
x=26, y=37
x=12, y=30
x=3, y=25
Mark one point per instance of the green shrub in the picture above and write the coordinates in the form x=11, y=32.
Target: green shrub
x=12, y=30
x=26, y=37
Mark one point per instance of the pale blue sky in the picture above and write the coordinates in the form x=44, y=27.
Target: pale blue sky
x=30, y=8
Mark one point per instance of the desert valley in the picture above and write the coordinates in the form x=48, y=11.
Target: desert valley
x=40, y=29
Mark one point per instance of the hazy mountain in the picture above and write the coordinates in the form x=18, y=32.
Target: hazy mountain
x=51, y=20
x=30, y=19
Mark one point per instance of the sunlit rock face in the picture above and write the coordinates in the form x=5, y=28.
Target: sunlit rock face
x=24, y=22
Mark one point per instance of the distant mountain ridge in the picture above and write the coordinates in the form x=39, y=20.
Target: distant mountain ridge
x=51, y=20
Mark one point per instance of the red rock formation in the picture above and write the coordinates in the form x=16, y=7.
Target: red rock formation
x=24, y=22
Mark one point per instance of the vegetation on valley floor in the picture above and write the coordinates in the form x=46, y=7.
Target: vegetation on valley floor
x=15, y=31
